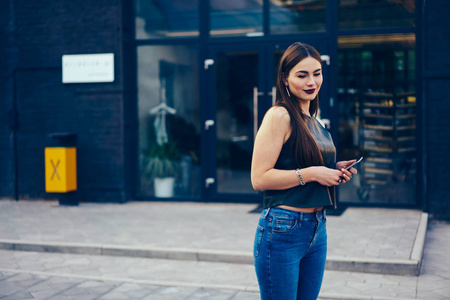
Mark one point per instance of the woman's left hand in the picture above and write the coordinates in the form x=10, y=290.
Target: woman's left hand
x=346, y=174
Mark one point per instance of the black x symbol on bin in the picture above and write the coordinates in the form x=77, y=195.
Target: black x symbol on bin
x=55, y=169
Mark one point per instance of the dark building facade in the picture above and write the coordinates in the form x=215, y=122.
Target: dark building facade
x=193, y=79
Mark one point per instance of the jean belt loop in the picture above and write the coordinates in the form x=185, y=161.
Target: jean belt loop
x=324, y=213
x=267, y=213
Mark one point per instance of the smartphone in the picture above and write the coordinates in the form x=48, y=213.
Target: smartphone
x=356, y=162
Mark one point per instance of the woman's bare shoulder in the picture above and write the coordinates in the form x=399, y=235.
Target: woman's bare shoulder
x=278, y=122
x=278, y=113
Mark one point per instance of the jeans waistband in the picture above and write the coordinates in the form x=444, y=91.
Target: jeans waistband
x=295, y=214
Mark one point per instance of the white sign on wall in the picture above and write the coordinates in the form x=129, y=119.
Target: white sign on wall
x=83, y=68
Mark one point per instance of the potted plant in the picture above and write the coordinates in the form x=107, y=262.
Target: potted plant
x=162, y=165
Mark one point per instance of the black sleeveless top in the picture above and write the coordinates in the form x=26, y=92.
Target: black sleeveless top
x=312, y=194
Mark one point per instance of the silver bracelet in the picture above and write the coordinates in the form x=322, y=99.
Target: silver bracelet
x=300, y=177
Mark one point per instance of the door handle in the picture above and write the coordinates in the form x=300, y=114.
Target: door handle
x=326, y=59
x=273, y=93
x=209, y=123
x=327, y=123
x=256, y=94
x=209, y=181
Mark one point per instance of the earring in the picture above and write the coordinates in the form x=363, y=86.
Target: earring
x=287, y=90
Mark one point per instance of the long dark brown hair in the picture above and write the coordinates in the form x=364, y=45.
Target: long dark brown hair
x=304, y=148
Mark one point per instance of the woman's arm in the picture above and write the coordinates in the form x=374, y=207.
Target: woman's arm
x=273, y=133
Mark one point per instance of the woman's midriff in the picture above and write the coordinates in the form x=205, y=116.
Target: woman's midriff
x=301, y=209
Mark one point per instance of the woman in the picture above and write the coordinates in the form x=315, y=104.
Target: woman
x=294, y=163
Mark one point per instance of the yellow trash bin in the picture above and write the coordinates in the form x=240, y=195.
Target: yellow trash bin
x=60, y=169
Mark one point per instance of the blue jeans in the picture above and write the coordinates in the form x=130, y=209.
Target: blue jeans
x=290, y=252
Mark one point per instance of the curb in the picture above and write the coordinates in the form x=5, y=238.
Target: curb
x=419, y=242
x=130, y=251
x=393, y=267
x=378, y=266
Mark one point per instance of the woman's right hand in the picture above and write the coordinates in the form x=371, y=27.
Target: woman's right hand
x=326, y=176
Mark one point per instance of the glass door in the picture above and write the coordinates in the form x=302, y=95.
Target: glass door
x=236, y=90
x=241, y=88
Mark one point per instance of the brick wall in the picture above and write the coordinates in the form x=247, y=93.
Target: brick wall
x=437, y=105
x=42, y=31
x=8, y=56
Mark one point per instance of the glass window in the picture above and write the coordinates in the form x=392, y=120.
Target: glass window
x=169, y=121
x=377, y=117
x=159, y=18
x=294, y=16
x=359, y=14
x=243, y=17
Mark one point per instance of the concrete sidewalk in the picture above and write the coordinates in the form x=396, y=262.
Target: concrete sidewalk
x=120, y=251
x=371, y=240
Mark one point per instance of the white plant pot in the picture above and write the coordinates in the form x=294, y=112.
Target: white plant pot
x=164, y=187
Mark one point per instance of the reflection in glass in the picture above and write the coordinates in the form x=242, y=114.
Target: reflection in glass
x=294, y=16
x=169, y=132
x=236, y=96
x=358, y=14
x=159, y=18
x=236, y=17
x=377, y=117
